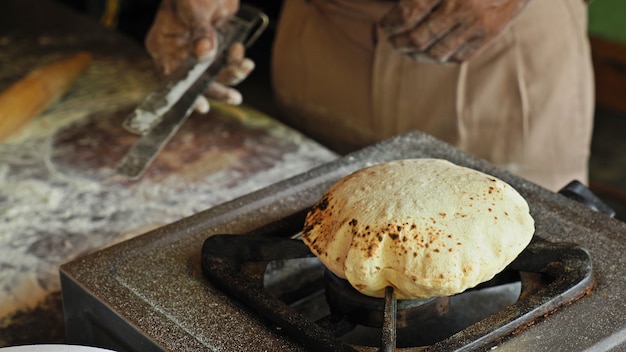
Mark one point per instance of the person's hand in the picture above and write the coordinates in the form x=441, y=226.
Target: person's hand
x=447, y=30
x=183, y=28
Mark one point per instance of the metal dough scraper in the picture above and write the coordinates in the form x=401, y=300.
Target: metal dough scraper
x=163, y=111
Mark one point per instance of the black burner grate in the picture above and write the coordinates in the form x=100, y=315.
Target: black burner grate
x=553, y=275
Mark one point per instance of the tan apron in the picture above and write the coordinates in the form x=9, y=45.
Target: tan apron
x=525, y=103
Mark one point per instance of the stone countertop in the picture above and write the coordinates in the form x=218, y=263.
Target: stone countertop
x=59, y=195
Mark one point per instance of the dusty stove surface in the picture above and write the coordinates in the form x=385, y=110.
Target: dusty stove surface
x=149, y=293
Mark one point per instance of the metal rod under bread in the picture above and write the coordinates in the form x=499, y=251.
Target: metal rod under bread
x=389, y=321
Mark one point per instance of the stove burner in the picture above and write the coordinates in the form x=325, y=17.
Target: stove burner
x=357, y=308
x=553, y=275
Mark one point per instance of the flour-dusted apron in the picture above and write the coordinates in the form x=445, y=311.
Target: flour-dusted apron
x=525, y=103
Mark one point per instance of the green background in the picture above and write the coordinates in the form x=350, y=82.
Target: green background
x=607, y=19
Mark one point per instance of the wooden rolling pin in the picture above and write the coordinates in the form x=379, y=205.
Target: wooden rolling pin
x=33, y=94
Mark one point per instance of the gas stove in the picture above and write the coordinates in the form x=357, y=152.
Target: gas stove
x=199, y=284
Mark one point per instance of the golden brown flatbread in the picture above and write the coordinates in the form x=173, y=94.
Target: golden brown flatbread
x=427, y=227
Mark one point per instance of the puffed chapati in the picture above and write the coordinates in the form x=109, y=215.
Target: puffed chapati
x=426, y=227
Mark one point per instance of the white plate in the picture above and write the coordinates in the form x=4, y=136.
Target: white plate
x=52, y=348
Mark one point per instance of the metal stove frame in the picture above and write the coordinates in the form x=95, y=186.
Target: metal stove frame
x=149, y=293
x=236, y=264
